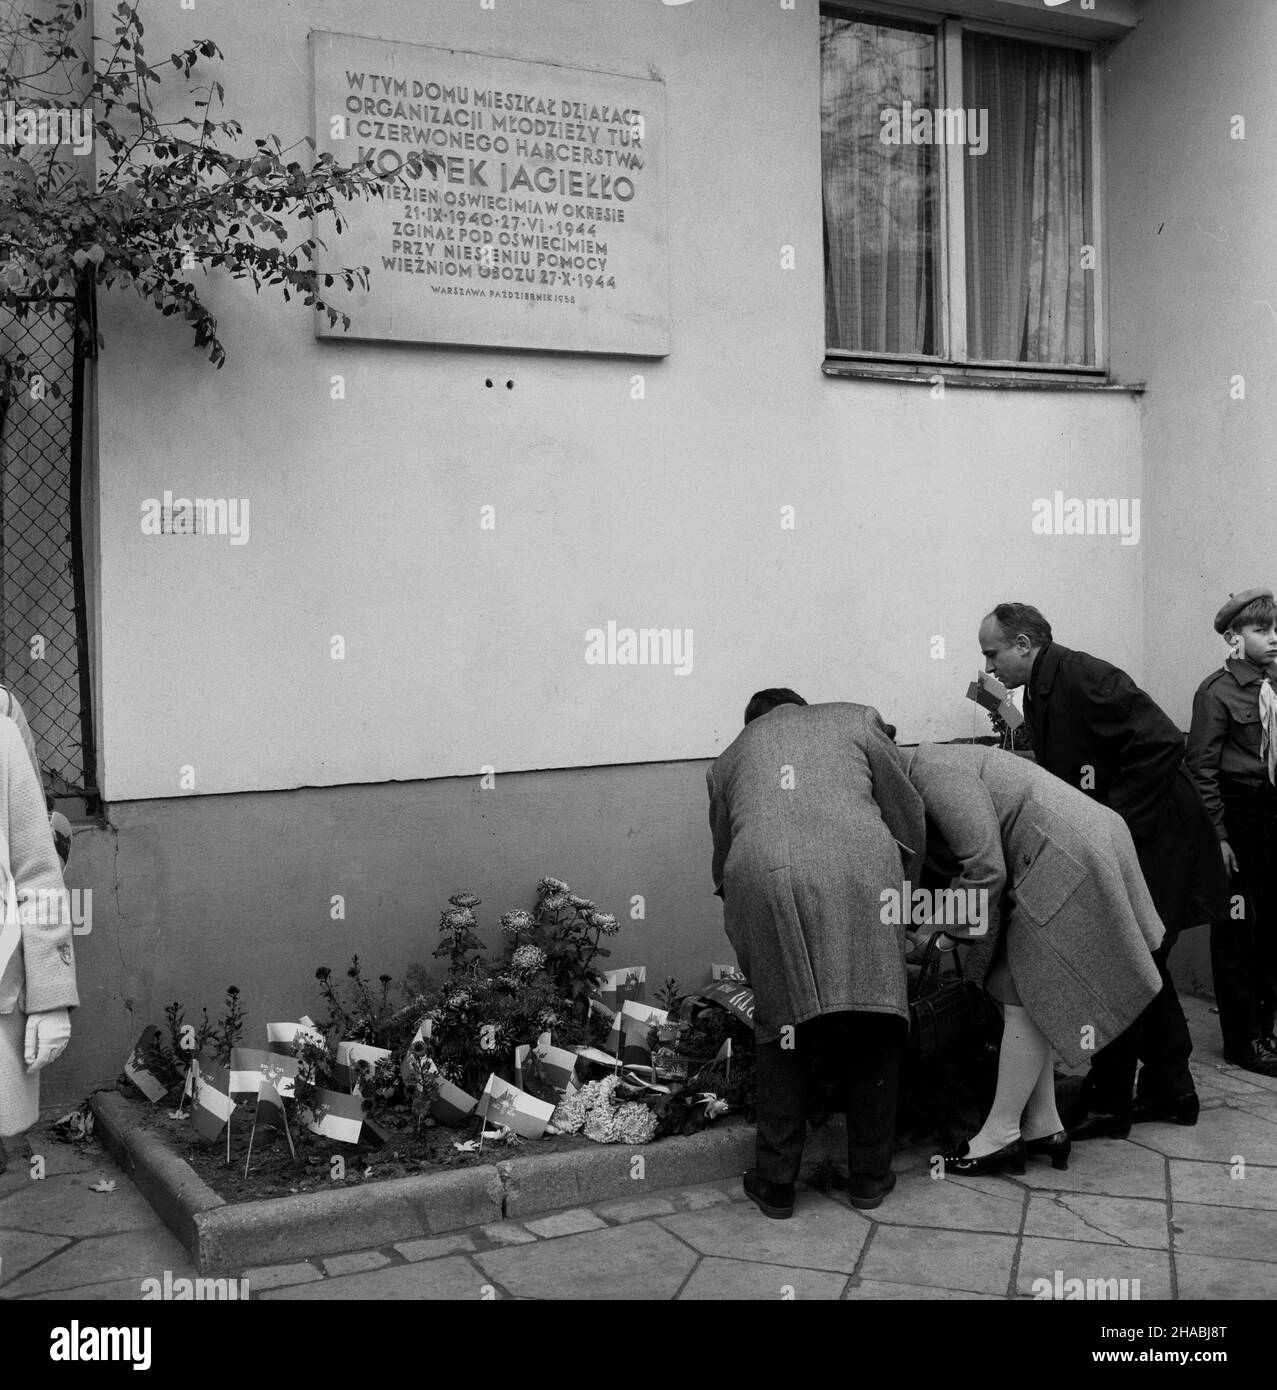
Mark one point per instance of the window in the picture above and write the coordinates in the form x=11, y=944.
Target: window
x=958, y=194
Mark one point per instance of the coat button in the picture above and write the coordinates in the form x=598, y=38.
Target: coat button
x=1028, y=859
x=65, y=953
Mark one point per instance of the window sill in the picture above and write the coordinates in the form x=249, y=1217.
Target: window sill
x=985, y=377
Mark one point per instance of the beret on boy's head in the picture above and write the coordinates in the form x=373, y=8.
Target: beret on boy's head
x=1236, y=602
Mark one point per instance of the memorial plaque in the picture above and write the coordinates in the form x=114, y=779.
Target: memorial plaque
x=542, y=223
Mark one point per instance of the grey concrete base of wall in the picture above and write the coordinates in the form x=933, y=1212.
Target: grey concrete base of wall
x=225, y=1237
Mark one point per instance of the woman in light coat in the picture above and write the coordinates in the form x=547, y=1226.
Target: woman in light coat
x=1068, y=945
x=37, y=962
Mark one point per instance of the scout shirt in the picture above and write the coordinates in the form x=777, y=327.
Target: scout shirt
x=1225, y=737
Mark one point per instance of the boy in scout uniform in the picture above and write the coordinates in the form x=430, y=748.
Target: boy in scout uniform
x=1232, y=754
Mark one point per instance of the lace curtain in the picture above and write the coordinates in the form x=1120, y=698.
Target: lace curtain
x=1028, y=295
x=881, y=201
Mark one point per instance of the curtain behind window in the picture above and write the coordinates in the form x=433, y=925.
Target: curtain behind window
x=880, y=201
x=1027, y=218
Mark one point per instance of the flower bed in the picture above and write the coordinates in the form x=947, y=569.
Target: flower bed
x=535, y=1048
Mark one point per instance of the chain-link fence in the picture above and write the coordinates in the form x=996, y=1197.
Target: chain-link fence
x=44, y=655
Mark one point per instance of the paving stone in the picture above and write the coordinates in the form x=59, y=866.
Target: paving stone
x=1203, y=1277
x=743, y=1279
x=1112, y=1167
x=16, y=1176
x=1218, y=1135
x=1227, y=1083
x=698, y=1198
x=65, y=1206
x=940, y=1259
x=821, y=1234
x=62, y=1158
x=878, y=1290
x=277, y=1276
x=450, y=1278
x=1251, y=1079
x=1214, y=1185
x=1226, y=1232
x=356, y=1262
x=639, y=1261
x=921, y=1200
x=635, y=1210
x=565, y=1223
x=113, y=1291
x=507, y=1233
x=993, y=1184
x=1104, y=1220
x=1040, y=1259
x=142, y=1254
x=19, y=1250
x=432, y=1249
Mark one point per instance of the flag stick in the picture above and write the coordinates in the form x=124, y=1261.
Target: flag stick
x=187, y=1088
x=229, y=1113
x=288, y=1134
x=249, y=1155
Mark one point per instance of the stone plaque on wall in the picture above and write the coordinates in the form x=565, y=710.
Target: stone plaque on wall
x=542, y=223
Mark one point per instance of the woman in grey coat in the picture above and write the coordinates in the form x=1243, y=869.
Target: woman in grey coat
x=1067, y=948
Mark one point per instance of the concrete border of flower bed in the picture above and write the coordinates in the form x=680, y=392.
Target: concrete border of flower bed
x=225, y=1237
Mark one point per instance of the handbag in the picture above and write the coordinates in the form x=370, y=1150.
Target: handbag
x=947, y=1009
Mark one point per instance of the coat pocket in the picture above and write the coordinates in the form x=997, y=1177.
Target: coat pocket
x=1045, y=876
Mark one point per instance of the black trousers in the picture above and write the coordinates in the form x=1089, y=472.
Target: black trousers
x=1243, y=951
x=1159, y=1039
x=862, y=1052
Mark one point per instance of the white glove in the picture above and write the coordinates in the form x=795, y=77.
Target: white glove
x=47, y=1037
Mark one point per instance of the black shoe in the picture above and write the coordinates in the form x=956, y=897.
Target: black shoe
x=774, y=1199
x=1182, y=1110
x=1089, y=1104
x=865, y=1196
x=1100, y=1126
x=1056, y=1147
x=1255, y=1056
x=1010, y=1157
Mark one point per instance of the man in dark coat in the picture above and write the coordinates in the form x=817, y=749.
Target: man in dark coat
x=810, y=811
x=1092, y=726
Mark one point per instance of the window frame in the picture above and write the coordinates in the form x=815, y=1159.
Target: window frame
x=954, y=357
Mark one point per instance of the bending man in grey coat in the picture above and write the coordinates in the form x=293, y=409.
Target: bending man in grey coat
x=811, y=811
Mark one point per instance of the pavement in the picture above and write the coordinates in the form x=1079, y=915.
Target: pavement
x=1189, y=1212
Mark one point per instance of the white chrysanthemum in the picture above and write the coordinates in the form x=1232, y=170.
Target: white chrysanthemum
x=516, y=922
x=528, y=959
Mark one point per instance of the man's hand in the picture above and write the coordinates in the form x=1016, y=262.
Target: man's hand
x=46, y=1039
x=1230, y=859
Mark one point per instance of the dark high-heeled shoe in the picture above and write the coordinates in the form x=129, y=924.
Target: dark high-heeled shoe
x=1010, y=1157
x=1056, y=1147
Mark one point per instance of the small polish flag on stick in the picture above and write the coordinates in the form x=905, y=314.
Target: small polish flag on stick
x=212, y=1105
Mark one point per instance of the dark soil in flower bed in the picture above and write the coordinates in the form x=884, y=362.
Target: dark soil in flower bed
x=273, y=1172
